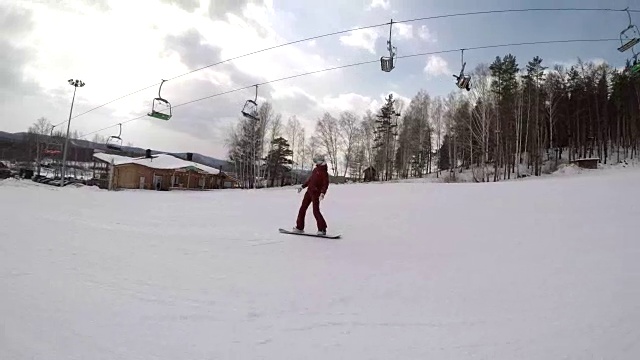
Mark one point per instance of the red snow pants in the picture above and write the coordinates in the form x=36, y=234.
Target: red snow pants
x=310, y=198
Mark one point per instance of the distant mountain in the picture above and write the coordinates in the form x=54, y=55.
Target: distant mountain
x=129, y=150
x=12, y=136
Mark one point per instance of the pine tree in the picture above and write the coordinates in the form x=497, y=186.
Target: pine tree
x=278, y=158
x=385, y=132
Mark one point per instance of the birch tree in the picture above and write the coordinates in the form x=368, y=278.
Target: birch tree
x=328, y=131
x=349, y=128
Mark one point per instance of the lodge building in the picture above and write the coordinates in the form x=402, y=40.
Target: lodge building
x=157, y=172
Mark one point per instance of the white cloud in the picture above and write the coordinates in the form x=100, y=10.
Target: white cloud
x=346, y=102
x=436, y=66
x=569, y=63
x=384, y=4
x=357, y=103
x=403, y=31
x=401, y=102
x=425, y=34
x=364, y=38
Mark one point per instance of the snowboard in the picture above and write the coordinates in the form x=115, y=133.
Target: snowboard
x=328, y=236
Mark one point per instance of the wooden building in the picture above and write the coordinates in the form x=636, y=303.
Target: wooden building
x=370, y=174
x=157, y=172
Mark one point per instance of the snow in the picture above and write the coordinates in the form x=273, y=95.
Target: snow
x=545, y=268
x=569, y=169
x=159, y=161
x=108, y=158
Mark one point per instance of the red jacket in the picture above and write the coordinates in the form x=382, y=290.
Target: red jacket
x=318, y=182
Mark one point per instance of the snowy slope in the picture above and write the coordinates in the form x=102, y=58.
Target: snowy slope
x=531, y=269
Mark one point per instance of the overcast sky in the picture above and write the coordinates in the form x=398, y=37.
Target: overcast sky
x=119, y=46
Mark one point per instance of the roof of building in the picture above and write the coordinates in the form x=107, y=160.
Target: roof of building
x=117, y=159
x=158, y=161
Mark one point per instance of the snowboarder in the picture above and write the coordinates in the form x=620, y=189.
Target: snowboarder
x=317, y=185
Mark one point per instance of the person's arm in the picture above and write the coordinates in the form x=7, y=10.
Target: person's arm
x=325, y=183
x=306, y=183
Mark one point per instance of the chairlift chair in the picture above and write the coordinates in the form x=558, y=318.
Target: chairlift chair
x=387, y=63
x=627, y=41
x=634, y=66
x=115, y=142
x=463, y=81
x=250, y=109
x=160, y=108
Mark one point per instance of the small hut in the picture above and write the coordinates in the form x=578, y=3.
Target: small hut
x=370, y=174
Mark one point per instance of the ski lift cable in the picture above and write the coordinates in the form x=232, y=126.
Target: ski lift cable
x=358, y=64
x=470, y=13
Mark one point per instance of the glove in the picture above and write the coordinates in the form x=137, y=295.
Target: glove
x=321, y=197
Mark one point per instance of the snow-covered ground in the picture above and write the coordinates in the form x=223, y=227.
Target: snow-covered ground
x=545, y=268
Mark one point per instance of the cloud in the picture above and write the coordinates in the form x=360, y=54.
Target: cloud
x=220, y=9
x=425, y=34
x=403, y=31
x=346, y=102
x=436, y=66
x=17, y=93
x=359, y=104
x=187, y=5
x=569, y=63
x=383, y=4
x=364, y=39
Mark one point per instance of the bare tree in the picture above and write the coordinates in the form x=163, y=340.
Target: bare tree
x=328, y=132
x=420, y=130
x=367, y=130
x=481, y=97
x=312, y=148
x=302, y=139
x=42, y=126
x=554, y=91
x=437, y=113
x=349, y=128
x=37, y=132
x=273, y=131
x=292, y=130
x=359, y=158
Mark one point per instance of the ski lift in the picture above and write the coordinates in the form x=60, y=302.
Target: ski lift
x=627, y=41
x=52, y=148
x=633, y=67
x=387, y=63
x=160, y=108
x=115, y=142
x=250, y=109
x=463, y=81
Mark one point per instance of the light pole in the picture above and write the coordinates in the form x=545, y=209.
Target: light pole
x=75, y=84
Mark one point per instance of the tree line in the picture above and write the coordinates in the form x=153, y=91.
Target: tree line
x=515, y=121
x=43, y=143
